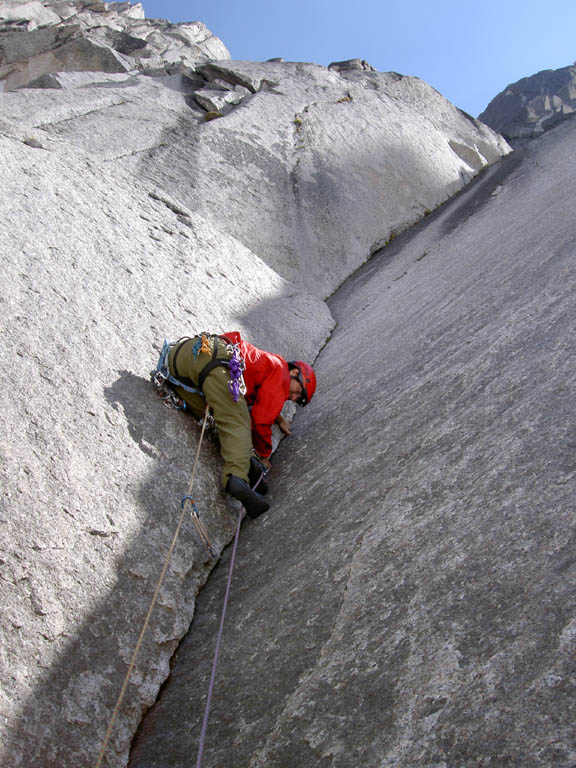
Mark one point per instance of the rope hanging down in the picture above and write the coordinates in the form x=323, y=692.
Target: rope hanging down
x=217, y=651
x=196, y=520
x=220, y=633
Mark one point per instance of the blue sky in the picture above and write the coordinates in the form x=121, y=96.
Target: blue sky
x=469, y=51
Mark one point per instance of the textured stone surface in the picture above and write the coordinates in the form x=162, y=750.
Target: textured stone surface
x=127, y=216
x=315, y=169
x=312, y=169
x=97, y=270
x=220, y=100
x=410, y=599
x=350, y=65
x=42, y=38
x=533, y=105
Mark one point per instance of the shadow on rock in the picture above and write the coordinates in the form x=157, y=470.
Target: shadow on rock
x=83, y=683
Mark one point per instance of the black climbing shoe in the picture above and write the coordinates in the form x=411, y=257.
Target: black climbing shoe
x=253, y=503
x=255, y=475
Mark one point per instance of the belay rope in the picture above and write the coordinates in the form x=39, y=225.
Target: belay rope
x=164, y=383
x=220, y=633
x=217, y=650
x=187, y=500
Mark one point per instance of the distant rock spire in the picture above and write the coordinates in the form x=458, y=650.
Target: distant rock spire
x=533, y=105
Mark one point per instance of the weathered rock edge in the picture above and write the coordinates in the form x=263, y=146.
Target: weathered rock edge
x=38, y=40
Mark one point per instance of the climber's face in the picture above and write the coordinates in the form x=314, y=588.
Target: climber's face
x=295, y=386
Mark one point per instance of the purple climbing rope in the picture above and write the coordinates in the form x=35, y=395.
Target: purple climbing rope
x=217, y=651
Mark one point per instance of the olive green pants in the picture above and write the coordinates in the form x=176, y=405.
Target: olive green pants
x=232, y=419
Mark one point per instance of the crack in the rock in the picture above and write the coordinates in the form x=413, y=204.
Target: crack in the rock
x=80, y=114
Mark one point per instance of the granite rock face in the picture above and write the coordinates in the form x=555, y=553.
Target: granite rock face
x=311, y=168
x=533, y=105
x=410, y=600
x=229, y=195
x=98, y=269
x=41, y=38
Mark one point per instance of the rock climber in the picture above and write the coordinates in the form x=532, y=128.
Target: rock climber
x=246, y=389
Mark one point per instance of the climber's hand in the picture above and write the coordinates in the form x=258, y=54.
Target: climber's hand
x=284, y=425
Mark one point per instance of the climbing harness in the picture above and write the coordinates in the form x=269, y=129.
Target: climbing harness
x=187, y=500
x=164, y=381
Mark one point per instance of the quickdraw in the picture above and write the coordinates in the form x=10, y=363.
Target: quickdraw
x=198, y=524
x=236, y=365
x=169, y=398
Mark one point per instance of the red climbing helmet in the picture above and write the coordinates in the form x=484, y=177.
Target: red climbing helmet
x=307, y=379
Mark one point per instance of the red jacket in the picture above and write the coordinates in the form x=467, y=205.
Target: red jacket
x=267, y=381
